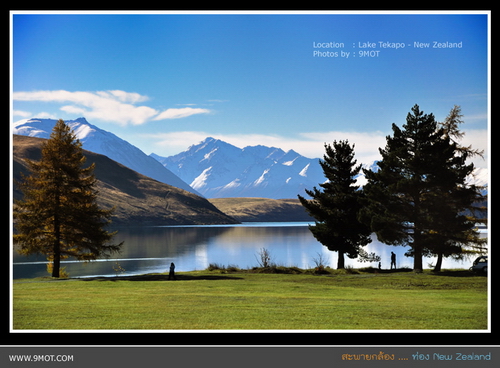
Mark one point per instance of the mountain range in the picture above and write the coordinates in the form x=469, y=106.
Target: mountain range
x=211, y=168
x=218, y=169
x=97, y=140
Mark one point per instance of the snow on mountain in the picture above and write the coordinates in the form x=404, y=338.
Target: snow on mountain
x=100, y=141
x=218, y=169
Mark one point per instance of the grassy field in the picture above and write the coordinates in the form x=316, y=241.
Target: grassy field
x=222, y=300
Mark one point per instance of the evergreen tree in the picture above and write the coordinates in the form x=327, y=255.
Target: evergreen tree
x=336, y=207
x=452, y=130
x=417, y=195
x=458, y=204
x=58, y=215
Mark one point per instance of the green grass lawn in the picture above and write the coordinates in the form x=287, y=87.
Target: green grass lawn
x=255, y=301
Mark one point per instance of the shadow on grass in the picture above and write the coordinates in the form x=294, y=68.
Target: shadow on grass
x=160, y=277
x=458, y=273
x=445, y=272
x=376, y=270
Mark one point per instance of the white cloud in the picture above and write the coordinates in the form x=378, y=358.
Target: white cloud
x=171, y=143
x=479, y=140
x=180, y=113
x=366, y=144
x=41, y=115
x=475, y=118
x=24, y=114
x=113, y=106
x=130, y=97
x=71, y=109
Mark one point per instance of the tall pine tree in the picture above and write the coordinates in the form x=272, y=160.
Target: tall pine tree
x=336, y=207
x=417, y=196
x=58, y=215
x=458, y=204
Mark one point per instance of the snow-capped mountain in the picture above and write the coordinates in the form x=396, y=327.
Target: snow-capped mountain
x=100, y=141
x=218, y=169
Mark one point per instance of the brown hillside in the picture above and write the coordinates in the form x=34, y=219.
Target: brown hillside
x=138, y=200
x=262, y=209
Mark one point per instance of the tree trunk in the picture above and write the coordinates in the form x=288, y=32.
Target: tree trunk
x=341, y=262
x=417, y=260
x=417, y=247
x=57, y=261
x=57, y=242
x=439, y=263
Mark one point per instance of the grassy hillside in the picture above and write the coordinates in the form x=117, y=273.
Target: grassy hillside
x=262, y=209
x=139, y=200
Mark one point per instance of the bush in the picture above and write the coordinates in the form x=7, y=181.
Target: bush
x=233, y=268
x=222, y=268
x=278, y=269
x=265, y=258
x=215, y=266
x=320, y=268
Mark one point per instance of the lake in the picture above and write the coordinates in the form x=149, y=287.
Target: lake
x=152, y=249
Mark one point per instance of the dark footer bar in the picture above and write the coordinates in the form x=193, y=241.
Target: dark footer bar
x=249, y=356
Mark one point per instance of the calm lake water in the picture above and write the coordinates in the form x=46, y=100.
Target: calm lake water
x=151, y=249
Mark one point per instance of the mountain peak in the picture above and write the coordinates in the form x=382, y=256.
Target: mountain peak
x=81, y=120
x=210, y=144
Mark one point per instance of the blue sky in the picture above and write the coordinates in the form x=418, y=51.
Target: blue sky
x=166, y=81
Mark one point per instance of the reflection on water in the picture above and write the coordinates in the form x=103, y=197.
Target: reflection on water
x=151, y=249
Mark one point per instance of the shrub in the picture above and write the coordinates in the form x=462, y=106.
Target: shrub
x=215, y=266
x=278, y=269
x=233, y=268
x=320, y=268
x=265, y=258
x=222, y=268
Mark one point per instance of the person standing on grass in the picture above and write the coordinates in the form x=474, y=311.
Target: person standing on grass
x=172, y=271
x=393, y=260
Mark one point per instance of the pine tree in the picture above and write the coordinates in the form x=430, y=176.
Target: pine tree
x=396, y=210
x=417, y=196
x=58, y=215
x=458, y=207
x=336, y=207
